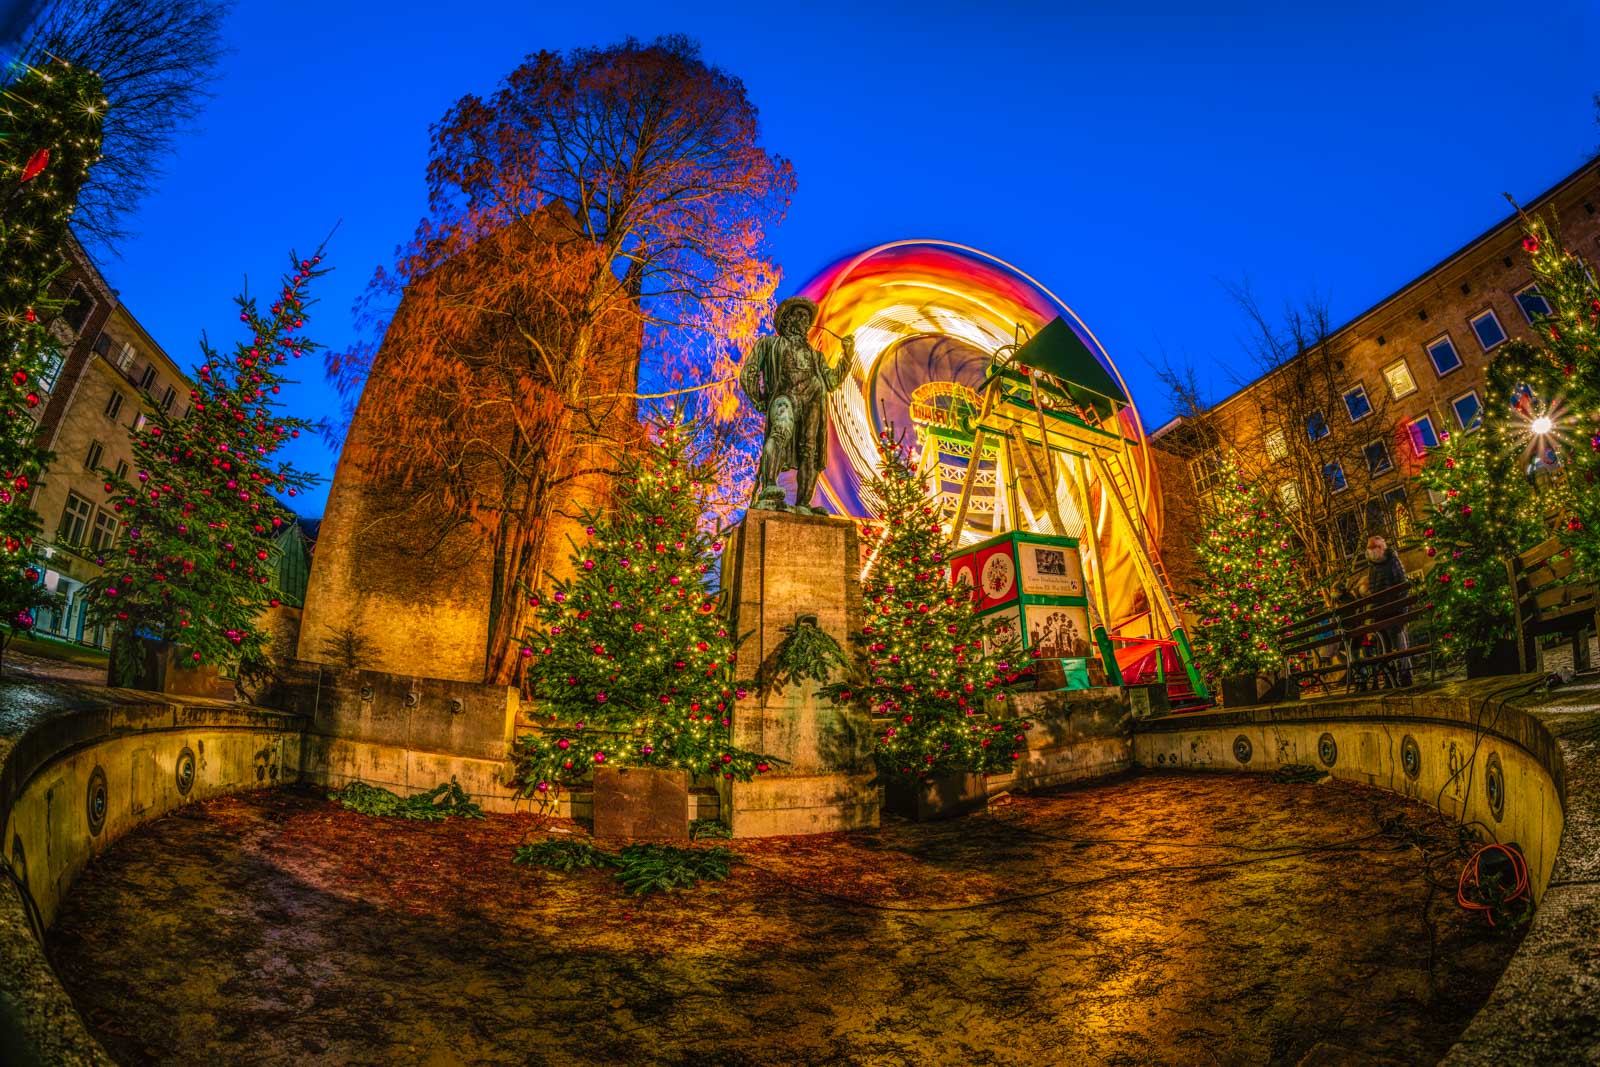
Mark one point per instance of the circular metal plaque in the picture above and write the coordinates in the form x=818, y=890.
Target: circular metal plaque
x=1327, y=750
x=98, y=801
x=184, y=771
x=1242, y=749
x=1494, y=787
x=1410, y=756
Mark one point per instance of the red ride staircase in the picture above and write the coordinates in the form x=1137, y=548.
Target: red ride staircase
x=1153, y=661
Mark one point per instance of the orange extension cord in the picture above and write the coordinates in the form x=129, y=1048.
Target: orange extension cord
x=1472, y=877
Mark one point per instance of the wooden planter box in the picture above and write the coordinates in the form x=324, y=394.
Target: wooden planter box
x=943, y=797
x=641, y=802
x=165, y=668
x=1248, y=690
x=1501, y=658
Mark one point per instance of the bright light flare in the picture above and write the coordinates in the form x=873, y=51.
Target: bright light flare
x=1542, y=425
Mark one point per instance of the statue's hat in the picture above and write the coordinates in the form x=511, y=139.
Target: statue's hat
x=794, y=302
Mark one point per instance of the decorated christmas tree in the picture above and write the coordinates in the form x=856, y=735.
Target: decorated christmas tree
x=1250, y=583
x=630, y=663
x=1542, y=411
x=195, y=561
x=1483, y=515
x=49, y=137
x=931, y=672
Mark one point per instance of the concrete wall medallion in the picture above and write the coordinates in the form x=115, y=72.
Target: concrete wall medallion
x=1410, y=757
x=1242, y=749
x=184, y=771
x=1494, y=787
x=1327, y=750
x=97, y=802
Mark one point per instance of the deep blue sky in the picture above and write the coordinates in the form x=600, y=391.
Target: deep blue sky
x=1133, y=157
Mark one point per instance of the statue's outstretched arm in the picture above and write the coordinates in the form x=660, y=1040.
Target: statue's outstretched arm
x=841, y=370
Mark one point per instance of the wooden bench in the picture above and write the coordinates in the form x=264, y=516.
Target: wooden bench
x=1352, y=637
x=1549, y=602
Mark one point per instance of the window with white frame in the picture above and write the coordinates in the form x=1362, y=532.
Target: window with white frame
x=1423, y=435
x=1468, y=410
x=1334, y=473
x=1317, y=426
x=104, y=534
x=1376, y=454
x=74, y=526
x=1277, y=446
x=1357, y=404
x=1532, y=302
x=122, y=469
x=1289, y=493
x=1398, y=375
x=1206, y=470
x=92, y=460
x=114, y=405
x=1487, y=327
x=1444, y=355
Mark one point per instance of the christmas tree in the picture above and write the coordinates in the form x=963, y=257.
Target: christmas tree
x=1483, y=516
x=1250, y=586
x=1542, y=411
x=200, y=520
x=630, y=663
x=931, y=672
x=49, y=137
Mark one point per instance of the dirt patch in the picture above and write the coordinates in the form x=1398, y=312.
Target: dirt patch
x=1156, y=919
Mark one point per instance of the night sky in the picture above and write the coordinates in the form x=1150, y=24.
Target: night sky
x=1132, y=157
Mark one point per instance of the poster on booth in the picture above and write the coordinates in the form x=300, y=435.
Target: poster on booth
x=1059, y=631
x=963, y=572
x=1003, y=627
x=1050, y=570
x=997, y=575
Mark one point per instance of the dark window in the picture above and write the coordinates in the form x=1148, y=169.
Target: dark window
x=74, y=520
x=122, y=468
x=1351, y=537
x=1334, y=472
x=52, y=368
x=168, y=397
x=1377, y=455
x=114, y=405
x=1487, y=327
x=1206, y=470
x=148, y=378
x=1423, y=435
x=92, y=460
x=105, y=532
x=76, y=311
x=1443, y=354
x=1533, y=303
x=1316, y=426
x=1356, y=402
x=104, y=345
x=1469, y=411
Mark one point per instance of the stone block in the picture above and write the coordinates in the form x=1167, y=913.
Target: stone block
x=641, y=802
x=944, y=797
x=780, y=805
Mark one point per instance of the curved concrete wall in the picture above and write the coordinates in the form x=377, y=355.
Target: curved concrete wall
x=72, y=785
x=1441, y=751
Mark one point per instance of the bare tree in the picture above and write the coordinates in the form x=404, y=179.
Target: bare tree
x=156, y=59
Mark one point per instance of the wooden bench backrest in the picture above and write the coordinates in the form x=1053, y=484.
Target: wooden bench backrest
x=1543, y=587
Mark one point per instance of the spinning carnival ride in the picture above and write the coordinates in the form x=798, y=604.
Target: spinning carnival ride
x=1022, y=421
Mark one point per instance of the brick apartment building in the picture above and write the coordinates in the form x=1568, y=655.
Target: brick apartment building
x=1338, y=432
x=107, y=373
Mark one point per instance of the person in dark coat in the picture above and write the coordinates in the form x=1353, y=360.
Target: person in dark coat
x=1389, y=573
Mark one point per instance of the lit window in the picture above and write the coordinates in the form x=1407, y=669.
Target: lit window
x=1356, y=402
x=138, y=422
x=1469, y=410
x=105, y=532
x=1443, y=354
x=1399, y=510
x=114, y=405
x=52, y=367
x=1533, y=304
x=74, y=520
x=1334, y=472
x=1423, y=435
x=1277, y=446
x=1398, y=375
x=92, y=460
x=1316, y=426
x=1289, y=493
x=1377, y=456
x=1487, y=327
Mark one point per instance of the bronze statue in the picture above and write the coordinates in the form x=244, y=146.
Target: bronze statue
x=788, y=381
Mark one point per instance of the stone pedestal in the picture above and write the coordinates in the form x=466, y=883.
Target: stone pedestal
x=778, y=566
x=641, y=802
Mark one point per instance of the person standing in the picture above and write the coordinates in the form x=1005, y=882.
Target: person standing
x=1389, y=573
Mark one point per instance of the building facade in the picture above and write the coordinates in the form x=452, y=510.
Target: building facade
x=1338, y=431
x=108, y=374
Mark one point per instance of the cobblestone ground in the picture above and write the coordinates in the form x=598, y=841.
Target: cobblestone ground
x=1150, y=920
